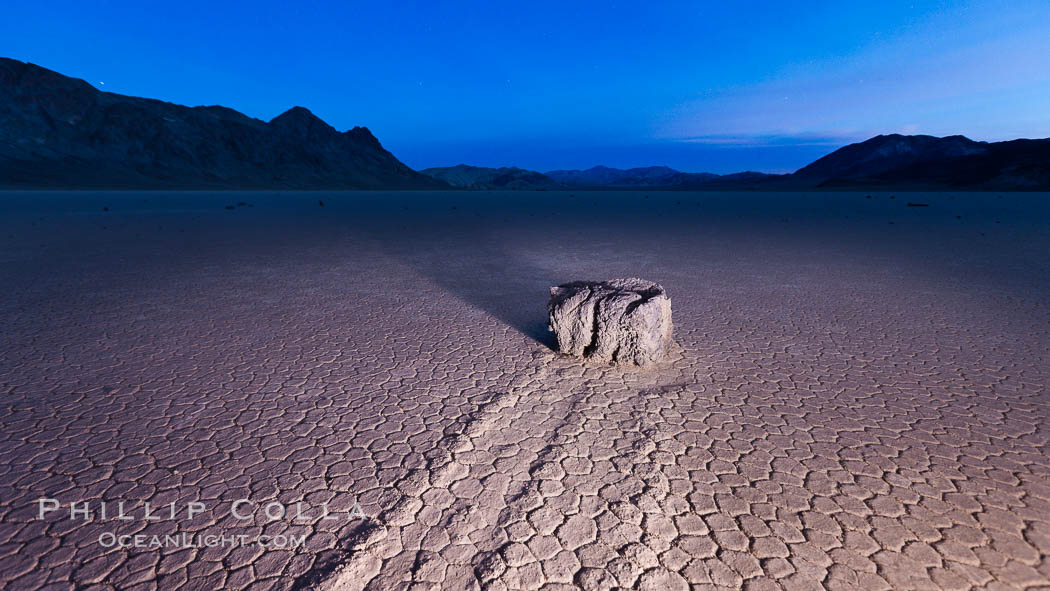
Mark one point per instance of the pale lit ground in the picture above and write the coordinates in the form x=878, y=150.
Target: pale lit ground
x=854, y=403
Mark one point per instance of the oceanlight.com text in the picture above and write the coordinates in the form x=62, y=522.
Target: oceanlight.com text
x=197, y=540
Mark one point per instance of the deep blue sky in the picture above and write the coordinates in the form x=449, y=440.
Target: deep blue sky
x=701, y=86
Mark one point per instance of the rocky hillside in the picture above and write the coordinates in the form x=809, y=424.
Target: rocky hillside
x=57, y=131
x=922, y=161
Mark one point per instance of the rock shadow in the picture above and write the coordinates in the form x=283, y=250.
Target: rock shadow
x=483, y=268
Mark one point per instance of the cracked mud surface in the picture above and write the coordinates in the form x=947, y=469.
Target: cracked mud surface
x=850, y=404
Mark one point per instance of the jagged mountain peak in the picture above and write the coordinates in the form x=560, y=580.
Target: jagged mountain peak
x=299, y=119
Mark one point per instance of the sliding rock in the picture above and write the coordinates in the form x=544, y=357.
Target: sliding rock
x=625, y=321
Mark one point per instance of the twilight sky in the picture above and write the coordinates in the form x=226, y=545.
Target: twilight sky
x=700, y=86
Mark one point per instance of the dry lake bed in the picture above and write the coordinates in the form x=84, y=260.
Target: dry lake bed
x=268, y=390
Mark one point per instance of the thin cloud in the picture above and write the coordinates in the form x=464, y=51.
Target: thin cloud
x=759, y=141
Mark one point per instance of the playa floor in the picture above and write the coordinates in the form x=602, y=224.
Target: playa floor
x=858, y=397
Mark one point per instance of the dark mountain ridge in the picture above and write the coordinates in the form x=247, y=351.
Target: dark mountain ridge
x=57, y=131
x=61, y=132
x=927, y=162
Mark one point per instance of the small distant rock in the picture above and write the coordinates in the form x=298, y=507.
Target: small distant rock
x=625, y=321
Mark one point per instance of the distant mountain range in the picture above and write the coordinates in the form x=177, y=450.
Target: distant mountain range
x=61, y=132
x=58, y=132
x=476, y=177
x=655, y=177
x=604, y=176
x=917, y=162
